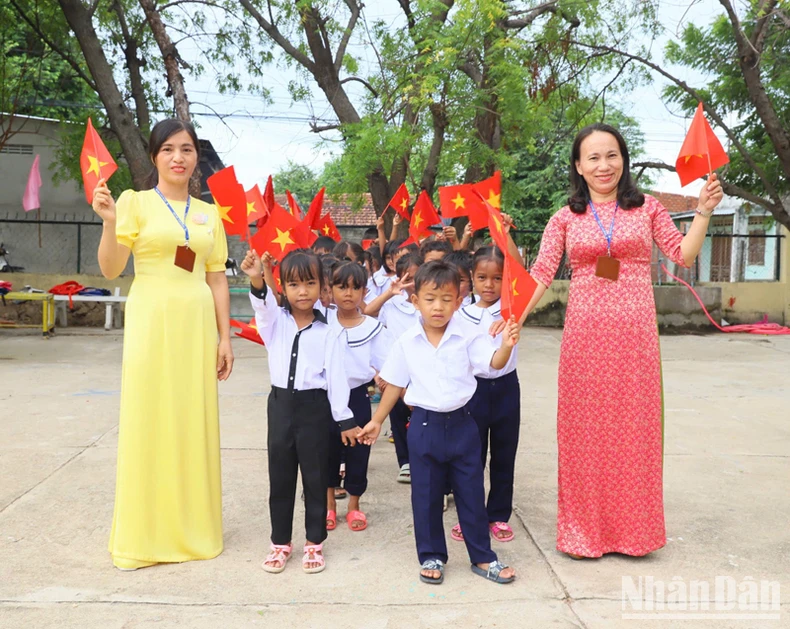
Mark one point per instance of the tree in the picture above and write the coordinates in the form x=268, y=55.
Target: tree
x=300, y=180
x=745, y=60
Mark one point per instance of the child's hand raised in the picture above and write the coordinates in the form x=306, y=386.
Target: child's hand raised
x=399, y=284
x=252, y=265
x=369, y=433
x=512, y=333
x=396, y=220
x=267, y=260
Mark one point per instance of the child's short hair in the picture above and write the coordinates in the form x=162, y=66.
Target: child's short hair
x=489, y=253
x=300, y=265
x=350, y=273
x=404, y=262
x=439, y=274
x=344, y=250
x=389, y=249
x=412, y=247
x=435, y=245
x=325, y=243
x=374, y=254
x=328, y=264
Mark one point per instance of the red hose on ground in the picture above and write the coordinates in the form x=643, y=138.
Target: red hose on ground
x=764, y=327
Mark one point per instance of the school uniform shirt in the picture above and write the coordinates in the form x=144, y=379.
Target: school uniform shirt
x=467, y=301
x=478, y=321
x=399, y=314
x=377, y=284
x=442, y=378
x=310, y=358
x=367, y=347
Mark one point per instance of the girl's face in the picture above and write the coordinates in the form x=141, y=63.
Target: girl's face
x=390, y=260
x=487, y=279
x=176, y=160
x=302, y=294
x=347, y=297
x=326, y=295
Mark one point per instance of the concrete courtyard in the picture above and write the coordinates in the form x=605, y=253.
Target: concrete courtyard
x=727, y=498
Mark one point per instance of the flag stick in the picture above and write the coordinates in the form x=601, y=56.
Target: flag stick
x=710, y=170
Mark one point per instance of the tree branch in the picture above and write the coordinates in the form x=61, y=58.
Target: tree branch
x=316, y=128
x=765, y=11
x=273, y=32
x=530, y=15
x=363, y=81
x=355, y=8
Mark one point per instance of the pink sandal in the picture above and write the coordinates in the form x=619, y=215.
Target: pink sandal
x=501, y=527
x=331, y=520
x=279, y=554
x=356, y=516
x=311, y=556
x=456, y=533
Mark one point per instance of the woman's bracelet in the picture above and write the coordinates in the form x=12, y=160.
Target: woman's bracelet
x=707, y=214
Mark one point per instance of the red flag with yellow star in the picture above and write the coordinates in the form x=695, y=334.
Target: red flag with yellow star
x=268, y=200
x=293, y=206
x=400, y=202
x=247, y=331
x=496, y=225
x=95, y=161
x=422, y=217
x=517, y=288
x=316, y=207
x=276, y=276
x=463, y=200
x=327, y=227
x=256, y=209
x=491, y=190
x=280, y=235
x=701, y=153
x=231, y=202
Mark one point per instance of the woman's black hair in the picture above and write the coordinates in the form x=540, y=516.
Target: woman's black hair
x=437, y=273
x=162, y=131
x=404, y=262
x=350, y=273
x=488, y=253
x=462, y=260
x=300, y=265
x=435, y=245
x=628, y=195
x=389, y=249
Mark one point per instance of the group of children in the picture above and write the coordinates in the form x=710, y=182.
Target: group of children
x=414, y=320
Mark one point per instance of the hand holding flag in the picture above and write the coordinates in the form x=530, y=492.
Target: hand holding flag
x=96, y=163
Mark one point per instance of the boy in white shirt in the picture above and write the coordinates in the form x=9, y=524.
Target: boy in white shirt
x=438, y=361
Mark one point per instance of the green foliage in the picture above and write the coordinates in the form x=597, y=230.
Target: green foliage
x=299, y=179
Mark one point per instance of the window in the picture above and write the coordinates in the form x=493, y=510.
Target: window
x=757, y=247
x=17, y=149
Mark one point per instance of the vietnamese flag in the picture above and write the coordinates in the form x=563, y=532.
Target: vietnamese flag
x=496, y=225
x=422, y=217
x=280, y=235
x=276, y=276
x=268, y=200
x=256, y=209
x=517, y=288
x=701, y=153
x=316, y=207
x=293, y=206
x=463, y=200
x=491, y=190
x=400, y=202
x=247, y=331
x=95, y=161
x=328, y=228
x=231, y=202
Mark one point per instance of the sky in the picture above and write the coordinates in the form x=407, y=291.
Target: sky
x=260, y=137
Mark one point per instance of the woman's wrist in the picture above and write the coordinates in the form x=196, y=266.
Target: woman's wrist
x=701, y=211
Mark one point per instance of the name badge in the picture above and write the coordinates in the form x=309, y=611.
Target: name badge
x=608, y=268
x=185, y=258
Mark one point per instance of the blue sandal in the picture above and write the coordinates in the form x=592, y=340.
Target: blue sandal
x=492, y=574
x=432, y=564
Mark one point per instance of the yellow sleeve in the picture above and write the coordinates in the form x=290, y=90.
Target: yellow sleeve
x=127, y=218
x=219, y=254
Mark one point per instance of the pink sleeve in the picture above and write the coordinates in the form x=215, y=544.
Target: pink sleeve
x=665, y=234
x=552, y=246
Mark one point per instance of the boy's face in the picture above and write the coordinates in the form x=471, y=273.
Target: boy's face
x=411, y=271
x=437, y=304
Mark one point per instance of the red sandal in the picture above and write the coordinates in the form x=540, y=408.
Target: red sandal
x=356, y=516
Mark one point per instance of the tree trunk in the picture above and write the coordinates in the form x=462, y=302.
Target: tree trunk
x=121, y=119
x=134, y=64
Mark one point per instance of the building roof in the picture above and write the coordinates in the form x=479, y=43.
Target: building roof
x=675, y=202
x=341, y=210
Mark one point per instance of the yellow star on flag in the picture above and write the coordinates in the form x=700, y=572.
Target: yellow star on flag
x=460, y=202
x=283, y=238
x=498, y=223
x=493, y=199
x=254, y=327
x=404, y=204
x=95, y=166
x=250, y=208
x=513, y=290
x=417, y=218
x=325, y=229
x=688, y=157
x=224, y=212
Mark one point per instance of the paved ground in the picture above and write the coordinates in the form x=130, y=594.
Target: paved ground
x=726, y=488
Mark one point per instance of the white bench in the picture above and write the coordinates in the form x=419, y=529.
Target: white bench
x=112, y=317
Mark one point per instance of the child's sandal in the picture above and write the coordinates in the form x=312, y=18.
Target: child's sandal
x=312, y=556
x=279, y=555
x=456, y=533
x=501, y=527
x=331, y=520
